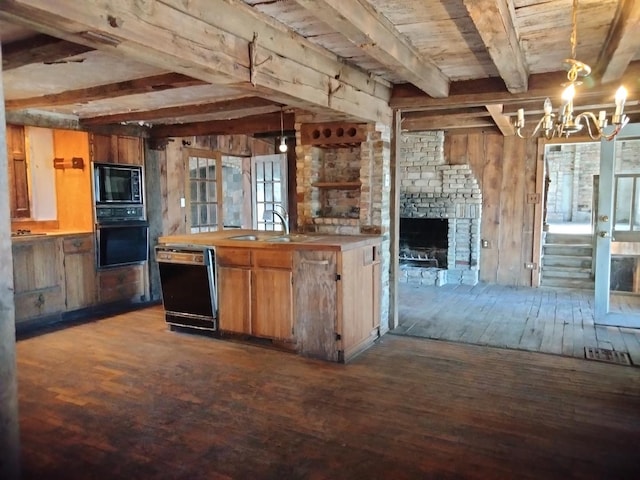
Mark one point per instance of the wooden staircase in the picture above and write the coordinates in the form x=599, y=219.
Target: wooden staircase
x=566, y=261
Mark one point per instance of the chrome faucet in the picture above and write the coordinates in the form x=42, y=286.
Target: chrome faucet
x=282, y=216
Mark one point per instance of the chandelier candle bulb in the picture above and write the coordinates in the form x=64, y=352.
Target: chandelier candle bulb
x=548, y=106
x=521, y=117
x=621, y=97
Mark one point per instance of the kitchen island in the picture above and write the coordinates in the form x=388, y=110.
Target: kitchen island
x=318, y=295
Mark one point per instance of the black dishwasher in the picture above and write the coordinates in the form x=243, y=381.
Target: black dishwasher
x=188, y=282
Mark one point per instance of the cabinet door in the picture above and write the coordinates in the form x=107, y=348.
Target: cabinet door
x=79, y=271
x=17, y=171
x=234, y=297
x=38, y=278
x=316, y=304
x=102, y=148
x=272, y=303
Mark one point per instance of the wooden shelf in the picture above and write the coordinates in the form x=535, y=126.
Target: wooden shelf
x=338, y=185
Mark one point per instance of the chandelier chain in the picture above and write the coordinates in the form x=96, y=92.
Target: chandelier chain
x=574, y=29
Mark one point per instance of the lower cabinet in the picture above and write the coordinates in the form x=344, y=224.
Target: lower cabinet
x=121, y=284
x=337, y=301
x=79, y=271
x=54, y=274
x=38, y=277
x=325, y=301
x=255, y=292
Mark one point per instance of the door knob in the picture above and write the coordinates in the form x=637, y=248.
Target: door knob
x=604, y=218
x=603, y=234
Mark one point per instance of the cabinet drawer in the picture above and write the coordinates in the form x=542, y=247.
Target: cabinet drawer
x=233, y=257
x=78, y=244
x=273, y=259
x=38, y=303
x=124, y=283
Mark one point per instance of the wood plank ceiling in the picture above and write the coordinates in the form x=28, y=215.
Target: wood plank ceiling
x=218, y=66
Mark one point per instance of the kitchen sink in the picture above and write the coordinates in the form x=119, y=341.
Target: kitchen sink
x=292, y=237
x=244, y=237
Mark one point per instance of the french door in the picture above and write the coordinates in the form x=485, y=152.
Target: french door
x=617, y=233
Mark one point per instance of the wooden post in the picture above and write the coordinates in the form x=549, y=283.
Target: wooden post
x=395, y=222
x=9, y=429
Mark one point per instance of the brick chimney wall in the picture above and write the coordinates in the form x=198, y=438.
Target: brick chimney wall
x=431, y=188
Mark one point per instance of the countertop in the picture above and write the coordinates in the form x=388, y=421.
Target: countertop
x=296, y=241
x=45, y=235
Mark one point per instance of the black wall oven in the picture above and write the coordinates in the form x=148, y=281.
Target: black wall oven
x=123, y=243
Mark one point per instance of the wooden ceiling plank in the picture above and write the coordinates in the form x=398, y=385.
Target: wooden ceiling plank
x=185, y=36
x=181, y=111
x=242, y=126
x=370, y=31
x=494, y=21
x=154, y=83
x=623, y=42
x=503, y=122
x=38, y=49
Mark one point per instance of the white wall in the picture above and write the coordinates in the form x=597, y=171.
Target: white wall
x=42, y=180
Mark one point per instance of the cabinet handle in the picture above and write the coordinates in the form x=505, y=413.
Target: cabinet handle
x=40, y=301
x=315, y=262
x=77, y=243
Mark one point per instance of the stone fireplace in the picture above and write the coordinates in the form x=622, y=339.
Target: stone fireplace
x=450, y=196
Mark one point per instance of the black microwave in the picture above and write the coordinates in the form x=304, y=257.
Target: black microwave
x=117, y=183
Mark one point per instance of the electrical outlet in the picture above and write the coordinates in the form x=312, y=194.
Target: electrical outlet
x=533, y=198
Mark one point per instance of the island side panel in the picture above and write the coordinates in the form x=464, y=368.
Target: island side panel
x=315, y=303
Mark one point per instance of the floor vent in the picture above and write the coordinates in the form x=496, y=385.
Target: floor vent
x=606, y=355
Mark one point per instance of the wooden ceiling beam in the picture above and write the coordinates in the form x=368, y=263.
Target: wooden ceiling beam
x=444, y=122
x=503, y=122
x=478, y=93
x=494, y=21
x=38, y=49
x=207, y=40
x=363, y=26
x=230, y=108
x=154, y=83
x=242, y=126
x=623, y=42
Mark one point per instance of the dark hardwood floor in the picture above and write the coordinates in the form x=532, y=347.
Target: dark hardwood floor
x=124, y=398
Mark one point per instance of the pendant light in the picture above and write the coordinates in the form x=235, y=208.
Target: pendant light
x=283, y=141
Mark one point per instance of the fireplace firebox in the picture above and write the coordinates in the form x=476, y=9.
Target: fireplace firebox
x=424, y=242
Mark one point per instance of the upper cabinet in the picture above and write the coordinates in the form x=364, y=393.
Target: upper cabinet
x=18, y=172
x=116, y=149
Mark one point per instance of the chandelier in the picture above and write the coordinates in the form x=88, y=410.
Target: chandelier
x=565, y=122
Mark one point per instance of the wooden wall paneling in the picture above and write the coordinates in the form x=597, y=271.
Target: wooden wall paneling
x=491, y=201
x=174, y=171
x=538, y=213
x=154, y=181
x=511, y=265
x=458, y=152
x=73, y=185
x=529, y=205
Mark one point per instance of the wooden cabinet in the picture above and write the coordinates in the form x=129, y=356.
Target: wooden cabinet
x=38, y=276
x=116, y=149
x=272, y=302
x=234, y=289
x=255, y=292
x=121, y=284
x=79, y=271
x=17, y=172
x=337, y=301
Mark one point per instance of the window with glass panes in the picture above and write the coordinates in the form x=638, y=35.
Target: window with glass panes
x=204, y=191
x=269, y=178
